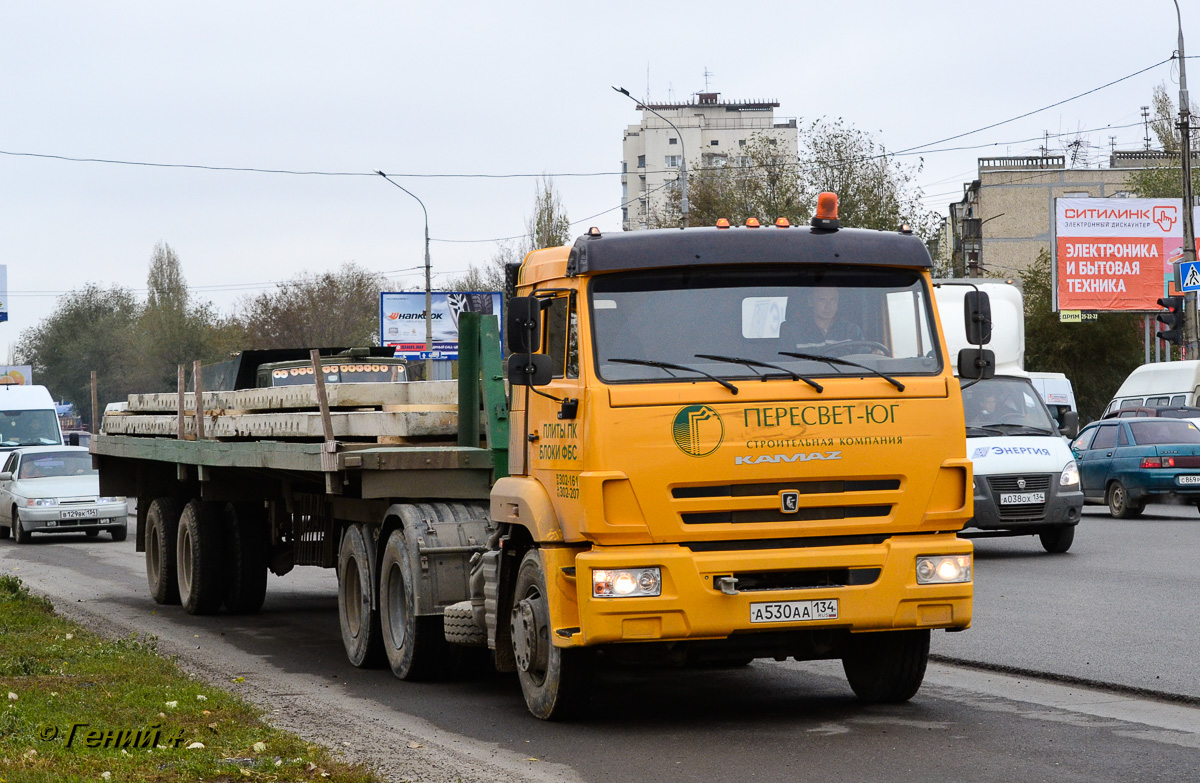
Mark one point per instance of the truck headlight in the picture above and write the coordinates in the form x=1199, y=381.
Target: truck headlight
x=626, y=582
x=38, y=502
x=1070, y=475
x=943, y=569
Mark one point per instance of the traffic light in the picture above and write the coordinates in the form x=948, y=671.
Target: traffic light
x=1172, y=319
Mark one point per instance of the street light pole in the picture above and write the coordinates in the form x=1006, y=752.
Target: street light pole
x=683, y=203
x=1190, y=331
x=428, y=289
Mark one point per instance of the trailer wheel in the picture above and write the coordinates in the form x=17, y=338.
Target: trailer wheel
x=246, y=547
x=162, y=526
x=198, y=551
x=554, y=680
x=886, y=667
x=415, y=646
x=359, y=622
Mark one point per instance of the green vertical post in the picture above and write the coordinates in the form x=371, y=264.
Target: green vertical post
x=468, y=379
x=495, y=397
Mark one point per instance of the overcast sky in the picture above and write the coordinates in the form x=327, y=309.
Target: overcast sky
x=468, y=88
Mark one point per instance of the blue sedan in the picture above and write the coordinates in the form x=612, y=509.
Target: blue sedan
x=1128, y=463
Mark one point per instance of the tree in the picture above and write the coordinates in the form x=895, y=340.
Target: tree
x=173, y=328
x=546, y=226
x=874, y=190
x=91, y=328
x=1165, y=181
x=333, y=309
x=1095, y=355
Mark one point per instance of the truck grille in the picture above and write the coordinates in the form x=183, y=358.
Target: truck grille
x=840, y=508
x=803, y=579
x=1025, y=511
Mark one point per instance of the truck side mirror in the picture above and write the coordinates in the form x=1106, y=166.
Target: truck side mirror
x=524, y=324
x=976, y=363
x=1070, y=424
x=978, y=318
x=529, y=369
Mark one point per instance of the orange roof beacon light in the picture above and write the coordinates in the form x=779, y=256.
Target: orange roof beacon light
x=782, y=223
x=826, y=218
x=594, y=231
x=722, y=223
x=905, y=228
x=751, y=222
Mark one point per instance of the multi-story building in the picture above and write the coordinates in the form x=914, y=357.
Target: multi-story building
x=710, y=132
x=1006, y=216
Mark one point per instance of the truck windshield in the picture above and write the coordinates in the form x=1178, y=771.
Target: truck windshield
x=1005, y=406
x=701, y=318
x=29, y=428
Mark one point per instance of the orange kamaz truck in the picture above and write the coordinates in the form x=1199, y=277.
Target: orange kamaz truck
x=714, y=445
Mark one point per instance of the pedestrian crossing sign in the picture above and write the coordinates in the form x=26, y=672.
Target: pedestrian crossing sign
x=1189, y=276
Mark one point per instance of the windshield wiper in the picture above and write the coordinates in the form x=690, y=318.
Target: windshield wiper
x=984, y=429
x=752, y=363
x=1038, y=430
x=668, y=367
x=815, y=357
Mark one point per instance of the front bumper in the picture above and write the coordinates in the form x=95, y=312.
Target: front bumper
x=57, y=519
x=1063, y=506
x=693, y=607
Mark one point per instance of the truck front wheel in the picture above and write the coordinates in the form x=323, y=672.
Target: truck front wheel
x=162, y=526
x=554, y=680
x=359, y=622
x=886, y=667
x=415, y=646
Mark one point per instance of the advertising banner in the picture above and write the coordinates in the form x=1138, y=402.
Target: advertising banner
x=16, y=374
x=402, y=320
x=1115, y=254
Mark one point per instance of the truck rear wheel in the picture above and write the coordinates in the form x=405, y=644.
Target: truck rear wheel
x=886, y=667
x=415, y=646
x=162, y=526
x=554, y=680
x=198, y=558
x=246, y=545
x=359, y=622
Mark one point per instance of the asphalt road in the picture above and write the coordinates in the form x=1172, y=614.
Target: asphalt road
x=1120, y=608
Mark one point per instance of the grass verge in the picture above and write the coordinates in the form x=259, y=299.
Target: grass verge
x=74, y=706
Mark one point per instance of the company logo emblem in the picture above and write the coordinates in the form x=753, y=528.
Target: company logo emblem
x=789, y=501
x=1165, y=217
x=1020, y=483
x=979, y=453
x=697, y=430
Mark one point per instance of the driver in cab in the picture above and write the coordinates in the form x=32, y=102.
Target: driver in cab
x=819, y=323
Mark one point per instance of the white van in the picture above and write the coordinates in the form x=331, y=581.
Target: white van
x=1160, y=384
x=1026, y=478
x=28, y=417
x=1056, y=391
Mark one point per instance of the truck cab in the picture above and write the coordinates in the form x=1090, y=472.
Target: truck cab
x=699, y=468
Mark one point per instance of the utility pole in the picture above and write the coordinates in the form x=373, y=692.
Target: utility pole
x=428, y=276
x=1190, y=330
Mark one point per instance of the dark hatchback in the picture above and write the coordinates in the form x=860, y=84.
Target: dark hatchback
x=1127, y=463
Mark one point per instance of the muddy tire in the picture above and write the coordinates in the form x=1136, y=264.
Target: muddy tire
x=415, y=646
x=886, y=667
x=199, y=553
x=554, y=681
x=162, y=527
x=246, y=548
x=458, y=626
x=358, y=621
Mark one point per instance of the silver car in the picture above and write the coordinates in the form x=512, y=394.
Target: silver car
x=54, y=489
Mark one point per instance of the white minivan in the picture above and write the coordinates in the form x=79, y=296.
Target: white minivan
x=1161, y=384
x=28, y=417
x=1056, y=391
